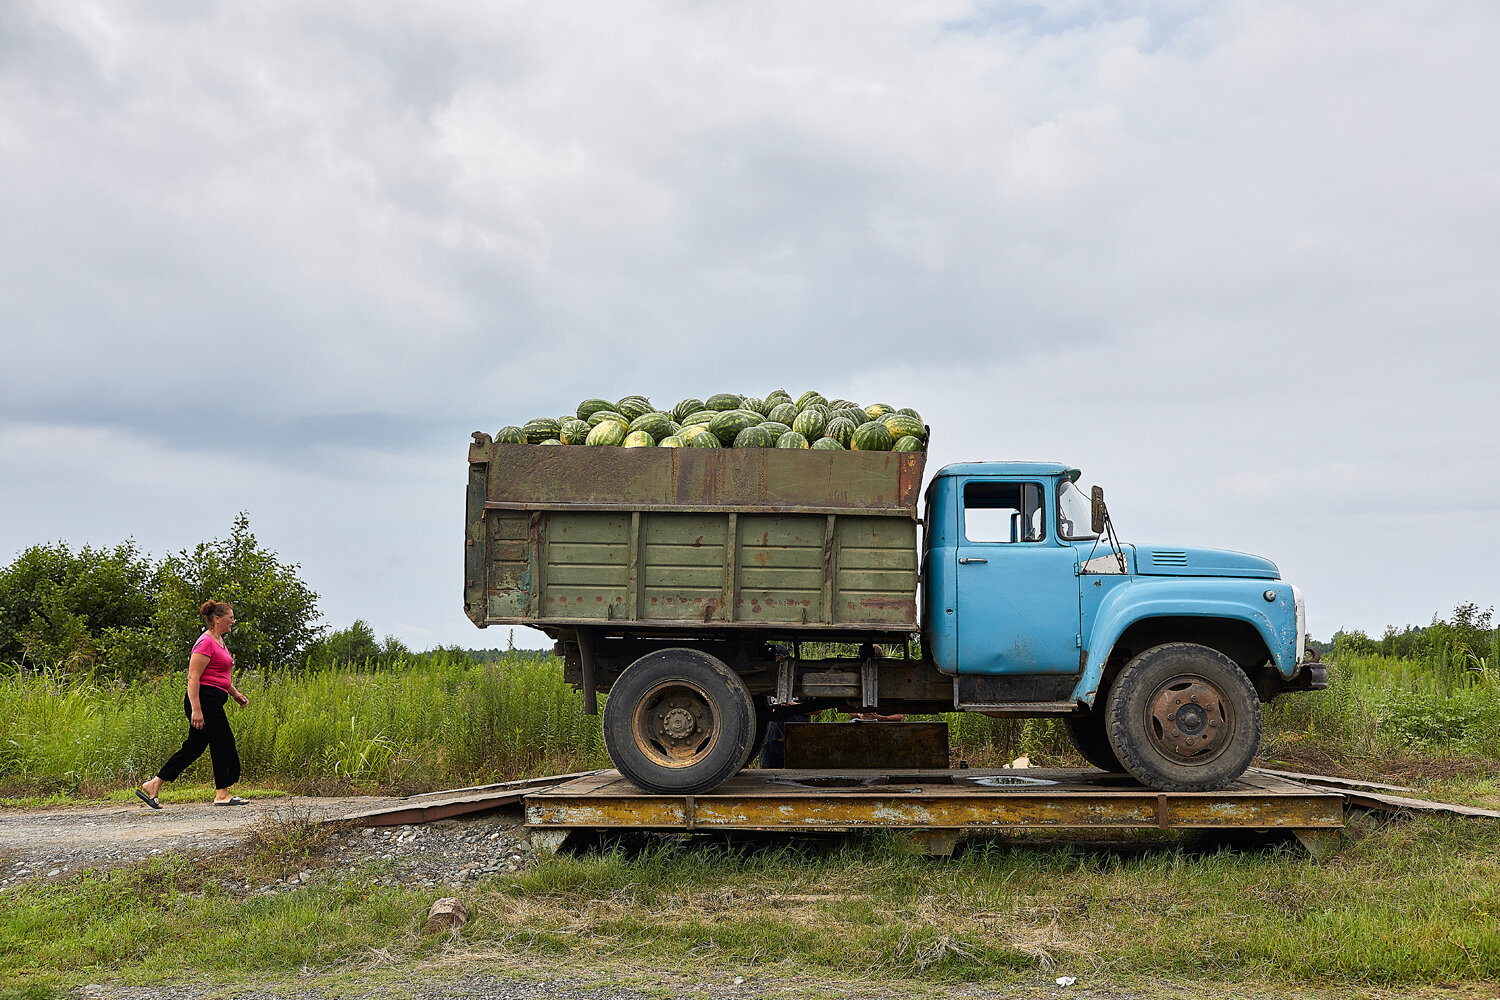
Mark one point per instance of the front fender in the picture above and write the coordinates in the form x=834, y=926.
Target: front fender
x=1232, y=599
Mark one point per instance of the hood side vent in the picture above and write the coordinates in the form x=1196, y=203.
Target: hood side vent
x=1167, y=557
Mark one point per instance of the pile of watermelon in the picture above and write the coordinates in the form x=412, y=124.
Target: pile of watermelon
x=727, y=420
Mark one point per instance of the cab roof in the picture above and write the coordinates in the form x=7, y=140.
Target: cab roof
x=1007, y=469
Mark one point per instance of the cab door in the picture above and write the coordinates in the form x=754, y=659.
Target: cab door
x=1017, y=586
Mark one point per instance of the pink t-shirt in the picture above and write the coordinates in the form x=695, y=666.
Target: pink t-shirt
x=216, y=674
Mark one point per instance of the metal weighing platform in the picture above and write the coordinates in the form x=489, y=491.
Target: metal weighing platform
x=939, y=807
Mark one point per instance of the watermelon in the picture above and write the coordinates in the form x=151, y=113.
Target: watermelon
x=540, y=429
x=810, y=423
x=853, y=414
x=826, y=444
x=912, y=413
x=775, y=427
x=755, y=405
x=704, y=439
x=510, y=435
x=723, y=401
x=596, y=418
x=589, y=407
x=728, y=424
x=658, y=425
x=699, y=417
x=903, y=425
x=779, y=394
x=608, y=432
x=671, y=441
x=841, y=429
x=871, y=435
x=634, y=406
x=755, y=436
x=877, y=410
x=574, y=431
x=682, y=409
x=810, y=396
x=907, y=443
x=842, y=404
x=550, y=441
x=783, y=413
x=791, y=439
x=639, y=439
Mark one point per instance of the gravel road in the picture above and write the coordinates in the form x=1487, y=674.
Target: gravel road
x=55, y=843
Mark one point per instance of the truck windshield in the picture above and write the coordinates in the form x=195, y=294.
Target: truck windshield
x=1074, y=513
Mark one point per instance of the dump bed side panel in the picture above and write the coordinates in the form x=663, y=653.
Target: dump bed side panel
x=769, y=537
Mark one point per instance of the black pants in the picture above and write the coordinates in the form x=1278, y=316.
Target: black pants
x=216, y=737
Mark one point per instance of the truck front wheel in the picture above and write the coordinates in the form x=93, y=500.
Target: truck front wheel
x=1183, y=718
x=678, y=721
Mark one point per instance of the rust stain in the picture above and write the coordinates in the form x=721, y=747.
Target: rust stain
x=885, y=603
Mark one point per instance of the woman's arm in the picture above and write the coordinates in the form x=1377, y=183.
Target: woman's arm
x=196, y=665
x=234, y=693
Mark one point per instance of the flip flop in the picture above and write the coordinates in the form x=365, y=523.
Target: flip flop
x=233, y=800
x=150, y=800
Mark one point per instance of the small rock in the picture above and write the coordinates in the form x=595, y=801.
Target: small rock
x=446, y=914
x=739, y=980
x=54, y=873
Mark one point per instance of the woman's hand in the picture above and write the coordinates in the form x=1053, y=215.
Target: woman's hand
x=242, y=699
x=197, y=717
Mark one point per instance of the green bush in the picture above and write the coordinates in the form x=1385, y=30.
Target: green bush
x=116, y=614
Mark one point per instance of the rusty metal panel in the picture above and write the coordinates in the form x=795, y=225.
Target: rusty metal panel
x=847, y=745
x=780, y=565
x=1032, y=798
x=476, y=571
x=765, y=479
x=875, y=571
x=586, y=565
x=742, y=538
x=683, y=566
x=510, y=560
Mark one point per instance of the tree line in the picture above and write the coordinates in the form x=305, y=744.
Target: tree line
x=119, y=614
x=1467, y=637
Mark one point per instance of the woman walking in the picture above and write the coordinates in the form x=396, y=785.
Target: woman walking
x=209, y=689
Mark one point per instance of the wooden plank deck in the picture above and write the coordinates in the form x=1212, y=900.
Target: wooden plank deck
x=960, y=801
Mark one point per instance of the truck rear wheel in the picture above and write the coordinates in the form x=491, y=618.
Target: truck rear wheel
x=678, y=721
x=1091, y=741
x=1183, y=718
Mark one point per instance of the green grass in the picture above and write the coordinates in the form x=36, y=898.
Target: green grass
x=1409, y=903
x=424, y=724
x=441, y=721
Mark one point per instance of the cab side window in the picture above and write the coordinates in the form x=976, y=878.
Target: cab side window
x=1003, y=512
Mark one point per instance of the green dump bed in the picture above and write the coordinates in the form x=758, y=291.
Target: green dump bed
x=700, y=538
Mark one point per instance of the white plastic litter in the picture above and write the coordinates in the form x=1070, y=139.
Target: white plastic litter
x=1066, y=981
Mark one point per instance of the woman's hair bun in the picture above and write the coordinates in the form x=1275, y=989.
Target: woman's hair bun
x=214, y=609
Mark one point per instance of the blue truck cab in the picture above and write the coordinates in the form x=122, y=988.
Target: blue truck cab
x=1156, y=658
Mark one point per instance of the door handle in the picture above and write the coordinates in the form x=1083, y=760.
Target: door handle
x=965, y=560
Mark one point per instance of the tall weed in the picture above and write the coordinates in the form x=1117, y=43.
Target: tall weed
x=429, y=721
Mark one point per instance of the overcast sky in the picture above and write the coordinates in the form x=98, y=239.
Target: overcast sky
x=1238, y=261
